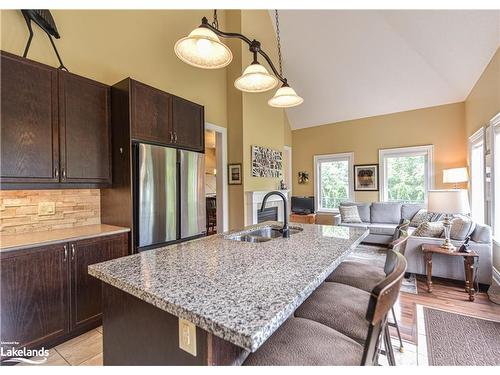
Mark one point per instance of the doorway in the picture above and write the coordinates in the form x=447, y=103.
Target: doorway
x=216, y=189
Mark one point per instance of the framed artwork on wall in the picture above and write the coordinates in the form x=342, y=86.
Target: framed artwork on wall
x=234, y=174
x=266, y=162
x=366, y=177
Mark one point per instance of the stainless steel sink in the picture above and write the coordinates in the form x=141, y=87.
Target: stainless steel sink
x=263, y=234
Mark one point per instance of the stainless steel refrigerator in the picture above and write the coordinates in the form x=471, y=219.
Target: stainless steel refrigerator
x=169, y=194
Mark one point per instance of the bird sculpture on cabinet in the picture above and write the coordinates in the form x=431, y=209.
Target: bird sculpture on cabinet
x=44, y=19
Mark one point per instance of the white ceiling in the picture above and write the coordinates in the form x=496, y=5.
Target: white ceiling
x=350, y=64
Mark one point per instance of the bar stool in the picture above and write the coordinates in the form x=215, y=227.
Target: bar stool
x=365, y=276
x=301, y=342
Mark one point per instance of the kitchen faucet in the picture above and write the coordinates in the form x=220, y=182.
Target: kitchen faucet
x=284, y=230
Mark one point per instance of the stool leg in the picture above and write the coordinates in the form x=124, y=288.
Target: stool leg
x=388, y=347
x=396, y=325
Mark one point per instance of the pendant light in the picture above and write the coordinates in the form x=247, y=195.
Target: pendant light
x=285, y=96
x=202, y=48
x=255, y=78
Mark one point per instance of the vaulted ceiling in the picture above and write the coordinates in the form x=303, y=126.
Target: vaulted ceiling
x=350, y=64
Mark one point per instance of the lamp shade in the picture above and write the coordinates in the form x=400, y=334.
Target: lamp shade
x=285, y=97
x=453, y=201
x=202, y=48
x=455, y=175
x=255, y=78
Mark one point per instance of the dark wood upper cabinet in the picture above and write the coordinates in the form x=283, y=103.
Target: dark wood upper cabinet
x=56, y=127
x=29, y=142
x=34, y=285
x=151, y=114
x=86, y=290
x=84, y=108
x=188, y=124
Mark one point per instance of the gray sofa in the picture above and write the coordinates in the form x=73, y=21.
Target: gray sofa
x=382, y=218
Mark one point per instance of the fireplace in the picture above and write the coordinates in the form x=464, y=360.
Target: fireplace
x=269, y=214
x=274, y=203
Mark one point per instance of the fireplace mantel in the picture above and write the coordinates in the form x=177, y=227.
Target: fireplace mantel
x=254, y=201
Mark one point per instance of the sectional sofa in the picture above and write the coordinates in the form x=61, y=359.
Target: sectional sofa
x=382, y=218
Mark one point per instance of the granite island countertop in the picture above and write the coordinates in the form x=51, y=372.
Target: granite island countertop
x=239, y=291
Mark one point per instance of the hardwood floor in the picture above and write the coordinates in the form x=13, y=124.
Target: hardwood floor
x=446, y=295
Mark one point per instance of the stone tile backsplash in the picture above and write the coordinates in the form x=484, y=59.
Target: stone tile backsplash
x=20, y=213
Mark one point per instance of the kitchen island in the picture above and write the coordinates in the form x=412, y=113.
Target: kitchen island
x=236, y=293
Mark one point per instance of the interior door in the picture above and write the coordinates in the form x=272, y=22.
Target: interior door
x=192, y=193
x=157, y=195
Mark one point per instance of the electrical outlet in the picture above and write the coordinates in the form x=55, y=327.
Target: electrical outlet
x=46, y=208
x=187, y=336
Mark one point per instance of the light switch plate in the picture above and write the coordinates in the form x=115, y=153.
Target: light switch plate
x=187, y=336
x=46, y=208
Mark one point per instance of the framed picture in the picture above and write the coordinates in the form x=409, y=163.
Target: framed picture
x=234, y=175
x=366, y=177
x=266, y=162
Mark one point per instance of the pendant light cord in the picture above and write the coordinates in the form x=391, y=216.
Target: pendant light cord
x=215, y=22
x=278, y=39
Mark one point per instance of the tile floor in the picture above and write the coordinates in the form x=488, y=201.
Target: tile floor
x=84, y=350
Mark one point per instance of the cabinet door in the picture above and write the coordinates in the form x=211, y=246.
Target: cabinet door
x=34, y=285
x=84, y=115
x=29, y=128
x=188, y=122
x=85, y=289
x=151, y=114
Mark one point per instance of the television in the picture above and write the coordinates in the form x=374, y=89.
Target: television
x=303, y=205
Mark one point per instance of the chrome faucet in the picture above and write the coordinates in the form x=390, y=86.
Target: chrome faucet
x=284, y=230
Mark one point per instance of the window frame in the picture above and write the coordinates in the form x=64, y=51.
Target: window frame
x=427, y=150
x=318, y=159
x=476, y=140
x=495, y=128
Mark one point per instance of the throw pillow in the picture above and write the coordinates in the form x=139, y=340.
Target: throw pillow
x=429, y=229
x=420, y=217
x=461, y=228
x=349, y=214
x=401, y=230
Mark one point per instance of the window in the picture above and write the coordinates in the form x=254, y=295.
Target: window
x=333, y=180
x=406, y=173
x=476, y=160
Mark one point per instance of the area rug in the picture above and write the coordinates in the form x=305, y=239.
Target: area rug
x=459, y=340
x=375, y=255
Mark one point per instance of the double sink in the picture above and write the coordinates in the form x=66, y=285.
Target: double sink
x=262, y=234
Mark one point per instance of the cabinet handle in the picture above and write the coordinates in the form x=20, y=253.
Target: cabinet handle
x=175, y=137
x=171, y=137
x=56, y=172
x=64, y=174
x=72, y=251
x=65, y=253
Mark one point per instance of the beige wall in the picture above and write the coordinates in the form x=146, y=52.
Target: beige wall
x=73, y=208
x=482, y=104
x=288, y=132
x=441, y=126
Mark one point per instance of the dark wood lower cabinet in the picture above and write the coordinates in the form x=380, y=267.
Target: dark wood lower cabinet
x=86, y=290
x=34, y=285
x=47, y=295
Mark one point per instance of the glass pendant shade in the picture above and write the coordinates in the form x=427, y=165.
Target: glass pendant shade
x=285, y=97
x=202, y=48
x=255, y=78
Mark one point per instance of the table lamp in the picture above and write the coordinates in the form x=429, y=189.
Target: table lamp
x=455, y=176
x=449, y=202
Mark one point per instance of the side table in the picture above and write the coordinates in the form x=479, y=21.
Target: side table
x=304, y=219
x=469, y=260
